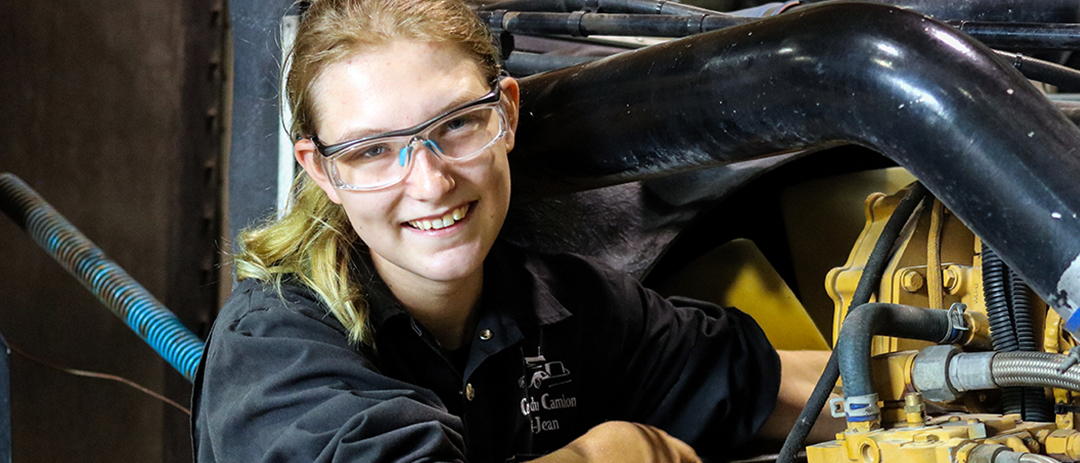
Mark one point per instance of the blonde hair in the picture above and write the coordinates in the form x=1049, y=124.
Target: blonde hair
x=314, y=242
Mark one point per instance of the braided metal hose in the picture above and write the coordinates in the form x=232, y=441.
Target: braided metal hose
x=1038, y=369
x=125, y=297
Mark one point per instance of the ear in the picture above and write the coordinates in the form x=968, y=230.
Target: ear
x=310, y=159
x=512, y=94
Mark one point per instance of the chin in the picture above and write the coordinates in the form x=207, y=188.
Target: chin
x=455, y=264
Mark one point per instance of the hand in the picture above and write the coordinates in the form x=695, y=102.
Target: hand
x=624, y=442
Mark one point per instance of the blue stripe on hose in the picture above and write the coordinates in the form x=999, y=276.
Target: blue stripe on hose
x=107, y=280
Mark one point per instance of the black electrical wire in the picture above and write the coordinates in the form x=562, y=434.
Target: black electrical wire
x=868, y=281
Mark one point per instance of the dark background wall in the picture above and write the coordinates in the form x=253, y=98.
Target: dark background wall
x=110, y=109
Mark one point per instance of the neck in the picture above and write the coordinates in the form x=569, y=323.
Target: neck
x=445, y=308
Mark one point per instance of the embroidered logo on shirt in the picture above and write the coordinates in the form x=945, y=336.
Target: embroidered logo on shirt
x=541, y=375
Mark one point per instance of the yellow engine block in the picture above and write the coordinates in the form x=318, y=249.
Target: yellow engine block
x=936, y=263
x=948, y=439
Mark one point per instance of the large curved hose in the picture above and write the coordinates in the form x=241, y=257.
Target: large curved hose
x=106, y=280
x=899, y=73
x=868, y=281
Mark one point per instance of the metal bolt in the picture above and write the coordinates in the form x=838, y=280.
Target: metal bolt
x=911, y=280
x=485, y=335
x=951, y=279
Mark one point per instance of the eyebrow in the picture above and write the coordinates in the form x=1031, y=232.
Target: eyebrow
x=362, y=133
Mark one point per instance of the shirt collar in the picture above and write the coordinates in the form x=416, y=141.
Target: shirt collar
x=516, y=282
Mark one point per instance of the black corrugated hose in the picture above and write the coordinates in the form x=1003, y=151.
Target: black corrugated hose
x=1035, y=405
x=1008, y=306
x=996, y=294
x=868, y=282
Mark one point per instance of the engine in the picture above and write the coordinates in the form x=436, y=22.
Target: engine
x=957, y=360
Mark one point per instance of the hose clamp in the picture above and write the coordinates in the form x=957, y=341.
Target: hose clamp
x=574, y=26
x=957, y=324
x=496, y=21
x=862, y=408
x=1072, y=358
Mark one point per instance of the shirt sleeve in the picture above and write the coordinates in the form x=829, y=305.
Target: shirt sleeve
x=703, y=373
x=279, y=383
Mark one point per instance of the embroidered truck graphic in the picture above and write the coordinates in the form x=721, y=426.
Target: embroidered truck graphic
x=543, y=372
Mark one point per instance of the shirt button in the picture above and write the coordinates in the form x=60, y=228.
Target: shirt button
x=485, y=335
x=470, y=393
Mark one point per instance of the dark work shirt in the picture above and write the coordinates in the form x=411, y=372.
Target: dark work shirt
x=562, y=345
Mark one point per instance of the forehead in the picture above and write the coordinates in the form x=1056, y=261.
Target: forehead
x=393, y=86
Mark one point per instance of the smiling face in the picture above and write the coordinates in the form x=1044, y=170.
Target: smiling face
x=439, y=223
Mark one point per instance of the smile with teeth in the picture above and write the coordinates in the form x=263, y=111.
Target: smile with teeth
x=445, y=221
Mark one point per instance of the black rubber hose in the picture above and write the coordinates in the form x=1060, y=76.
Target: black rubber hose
x=868, y=281
x=876, y=318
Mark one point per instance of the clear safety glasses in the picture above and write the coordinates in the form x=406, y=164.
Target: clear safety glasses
x=383, y=160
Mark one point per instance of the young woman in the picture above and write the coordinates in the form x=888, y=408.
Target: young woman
x=382, y=320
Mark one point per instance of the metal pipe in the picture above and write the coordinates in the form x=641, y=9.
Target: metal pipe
x=962, y=371
x=1043, y=71
x=664, y=7
x=581, y=24
x=1023, y=36
x=1035, y=458
x=1008, y=36
x=524, y=64
x=971, y=128
x=84, y=260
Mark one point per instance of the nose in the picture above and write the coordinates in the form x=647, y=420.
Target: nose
x=429, y=178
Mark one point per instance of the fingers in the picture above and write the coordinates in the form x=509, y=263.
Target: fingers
x=666, y=449
x=625, y=442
